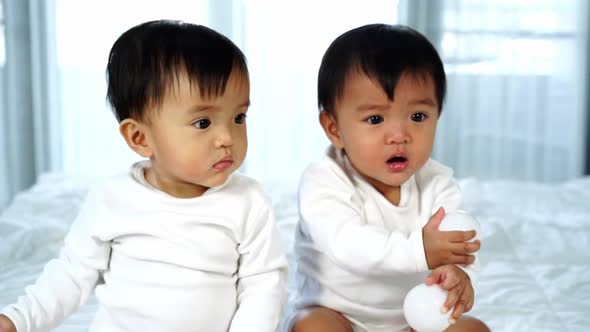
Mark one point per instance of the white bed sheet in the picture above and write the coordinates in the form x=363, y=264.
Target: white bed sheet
x=535, y=254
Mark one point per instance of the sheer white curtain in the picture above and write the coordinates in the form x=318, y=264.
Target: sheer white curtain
x=516, y=82
x=85, y=33
x=5, y=192
x=517, y=71
x=53, y=54
x=516, y=78
x=18, y=162
x=284, y=42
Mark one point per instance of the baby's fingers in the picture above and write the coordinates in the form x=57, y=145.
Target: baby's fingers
x=457, y=311
x=463, y=305
x=452, y=298
x=436, y=219
x=463, y=248
x=462, y=259
x=443, y=275
x=460, y=236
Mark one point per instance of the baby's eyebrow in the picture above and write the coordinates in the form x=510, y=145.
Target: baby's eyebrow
x=211, y=107
x=371, y=107
x=203, y=108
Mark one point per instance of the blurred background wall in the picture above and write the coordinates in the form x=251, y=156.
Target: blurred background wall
x=517, y=74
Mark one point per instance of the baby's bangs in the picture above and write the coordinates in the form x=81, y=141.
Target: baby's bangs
x=388, y=73
x=212, y=74
x=210, y=77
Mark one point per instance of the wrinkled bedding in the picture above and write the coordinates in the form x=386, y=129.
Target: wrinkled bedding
x=535, y=254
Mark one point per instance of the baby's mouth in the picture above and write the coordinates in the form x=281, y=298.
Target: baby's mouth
x=397, y=159
x=397, y=163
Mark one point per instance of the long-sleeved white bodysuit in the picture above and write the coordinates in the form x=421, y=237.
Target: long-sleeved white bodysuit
x=160, y=263
x=356, y=252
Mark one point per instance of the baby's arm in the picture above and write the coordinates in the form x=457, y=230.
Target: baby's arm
x=262, y=274
x=66, y=282
x=334, y=221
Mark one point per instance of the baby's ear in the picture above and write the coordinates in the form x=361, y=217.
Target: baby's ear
x=135, y=134
x=328, y=122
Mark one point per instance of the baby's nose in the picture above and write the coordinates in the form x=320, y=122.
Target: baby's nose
x=224, y=138
x=397, y=134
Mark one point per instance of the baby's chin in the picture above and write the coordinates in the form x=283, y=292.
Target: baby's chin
x=383, y=182
x=219, y=179
x=395, y=179
x=217, y=182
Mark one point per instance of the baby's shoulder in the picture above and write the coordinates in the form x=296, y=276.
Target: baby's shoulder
x=327, y=172
x=244, y=187
x=118, y=185
x=107, y=193
x=249, y=201
x=326, y=181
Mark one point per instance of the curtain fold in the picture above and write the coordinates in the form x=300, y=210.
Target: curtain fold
x=586, y=150
x=284, y=43
x=17, y=149
x=45, y=87
x=515, y=105
x=518, y=82
x=28, y=144
x=91, y=142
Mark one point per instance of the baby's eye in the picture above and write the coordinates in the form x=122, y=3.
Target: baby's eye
x=419, y=117
x=375, y=119
x=202, y=123
x=240, y=118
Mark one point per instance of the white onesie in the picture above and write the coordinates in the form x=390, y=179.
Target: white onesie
x=161, y=263
x=356, y=252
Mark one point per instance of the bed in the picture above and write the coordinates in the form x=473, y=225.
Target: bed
x=535, y=255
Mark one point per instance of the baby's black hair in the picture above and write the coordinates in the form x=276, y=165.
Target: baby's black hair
x=148, y=59
x=382, y=52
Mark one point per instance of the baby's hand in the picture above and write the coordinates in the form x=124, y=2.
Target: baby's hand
x=444, y=248
x=458, y=284
x=6, y=324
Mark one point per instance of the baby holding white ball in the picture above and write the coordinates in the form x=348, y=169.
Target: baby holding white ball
x=370, y=210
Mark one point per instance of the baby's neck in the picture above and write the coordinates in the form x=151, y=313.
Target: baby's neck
x=172, y=187
x=393, y=195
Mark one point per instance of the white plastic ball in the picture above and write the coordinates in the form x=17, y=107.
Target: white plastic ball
x=422, y=308
x=460, y=221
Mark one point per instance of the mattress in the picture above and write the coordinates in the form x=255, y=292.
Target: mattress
x=535, y=254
